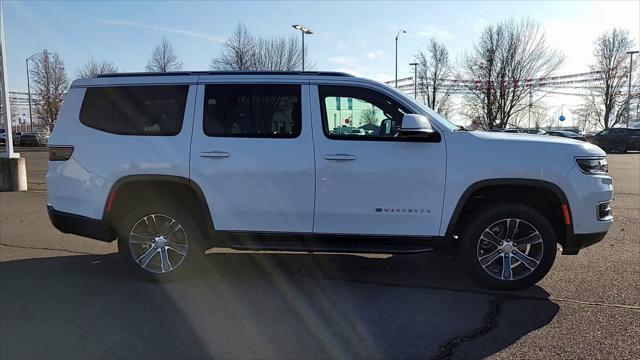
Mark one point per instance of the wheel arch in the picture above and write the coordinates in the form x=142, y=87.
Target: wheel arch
x=154, y=184
x=510, y=184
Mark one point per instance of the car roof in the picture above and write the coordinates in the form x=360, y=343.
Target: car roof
x=193, y=77
x=225, y=73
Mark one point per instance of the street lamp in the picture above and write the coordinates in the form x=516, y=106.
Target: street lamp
x=29, y=89
x=398, y=34
x=304, y=31
x=415, y=79
x=629, y=89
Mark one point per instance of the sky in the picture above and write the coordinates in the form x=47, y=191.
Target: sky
x=356, y=37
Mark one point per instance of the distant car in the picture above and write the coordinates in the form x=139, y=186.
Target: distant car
x=3, y=136
x=617, y=139
x=30, y=139
x=567, y=134
x=16, y=138
x=512, y=131
x=357, y=132
x=534, y=131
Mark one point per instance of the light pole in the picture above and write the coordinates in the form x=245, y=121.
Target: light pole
x=397, y=35
x=629, y=89
x=29, y=90
x=304, y=31
x=415, y=79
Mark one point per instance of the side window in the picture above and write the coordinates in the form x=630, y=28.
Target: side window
x=135, y=110
x=618, y=132
x=359, y=114
x=604, y=132
x=264, y=110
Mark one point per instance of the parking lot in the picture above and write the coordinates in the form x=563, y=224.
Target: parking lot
x=64, y=296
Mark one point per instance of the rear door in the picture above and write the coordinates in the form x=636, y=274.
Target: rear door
x=252, y=155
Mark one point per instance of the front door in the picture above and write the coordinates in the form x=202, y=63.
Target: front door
x=252, y=155
x=369, y=181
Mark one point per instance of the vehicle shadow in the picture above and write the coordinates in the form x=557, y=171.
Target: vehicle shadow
x=254, y=305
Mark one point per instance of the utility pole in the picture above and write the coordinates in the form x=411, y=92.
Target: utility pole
x=398, y=34
x=29, y=90
x=415, y=79
x=304, y=31
x=629, y=89
x=6, y=114
x=530, y=105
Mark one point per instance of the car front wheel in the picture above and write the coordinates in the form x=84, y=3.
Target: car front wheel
x=509, y=246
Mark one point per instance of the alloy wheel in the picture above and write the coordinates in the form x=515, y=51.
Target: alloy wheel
x=510, y=249
x=158, y=243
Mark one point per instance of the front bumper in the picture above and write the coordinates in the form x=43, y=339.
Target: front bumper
x=575, y=242
x=80, y=225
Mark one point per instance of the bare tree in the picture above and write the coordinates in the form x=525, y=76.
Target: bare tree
x=433, y=68
x=243, y=51
x=535, y=118
x=505, y=56
x=50, y=82
x=278, y=53
x=606, y=103
x=93, y=68
x=237, y=51
x=369, y=117
x=164, y=58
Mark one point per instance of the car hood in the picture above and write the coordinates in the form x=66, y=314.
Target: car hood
x=577, y=147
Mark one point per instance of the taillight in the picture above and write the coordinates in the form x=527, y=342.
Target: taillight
x=60, y=152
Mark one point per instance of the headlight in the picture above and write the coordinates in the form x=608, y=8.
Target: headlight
x=593, y=166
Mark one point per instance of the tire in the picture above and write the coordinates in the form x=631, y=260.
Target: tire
x=169, y=250
x=623, y=149
x=506, y=222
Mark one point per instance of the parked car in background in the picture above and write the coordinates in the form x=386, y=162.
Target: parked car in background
x=16, y=138
x=617, y=139
x=358, y=132
x=33, y=139
x=534, y=131
x=566, y=134
x=513, y=131
x=3, y=136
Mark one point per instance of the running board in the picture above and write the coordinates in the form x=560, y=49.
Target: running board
x=326, y=243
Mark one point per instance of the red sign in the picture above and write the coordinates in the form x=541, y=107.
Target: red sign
x=346, y=121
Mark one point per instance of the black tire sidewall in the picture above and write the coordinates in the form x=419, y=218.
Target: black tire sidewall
x=490, y=215
x=181, y=214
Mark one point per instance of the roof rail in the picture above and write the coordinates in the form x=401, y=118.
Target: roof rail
x=184, y=73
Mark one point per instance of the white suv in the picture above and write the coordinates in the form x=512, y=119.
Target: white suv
x=171, y=164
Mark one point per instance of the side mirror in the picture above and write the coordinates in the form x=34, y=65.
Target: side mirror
x=416, y=126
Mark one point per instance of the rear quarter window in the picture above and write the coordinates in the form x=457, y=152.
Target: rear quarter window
x=135, y=110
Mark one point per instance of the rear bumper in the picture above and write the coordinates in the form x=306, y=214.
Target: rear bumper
x=80, y=225
x=575, y=242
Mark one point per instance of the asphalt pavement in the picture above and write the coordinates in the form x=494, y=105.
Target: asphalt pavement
x=63, y=296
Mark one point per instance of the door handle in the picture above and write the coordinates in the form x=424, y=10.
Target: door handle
x=215, y=154
x=343, y=157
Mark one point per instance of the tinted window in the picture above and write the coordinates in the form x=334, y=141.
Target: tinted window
x=252, y=110
x=135, y=110
x=618, y=132
x=359, y=114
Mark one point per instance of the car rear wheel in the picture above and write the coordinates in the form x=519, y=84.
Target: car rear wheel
x=509, y=246
x=160, y=241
